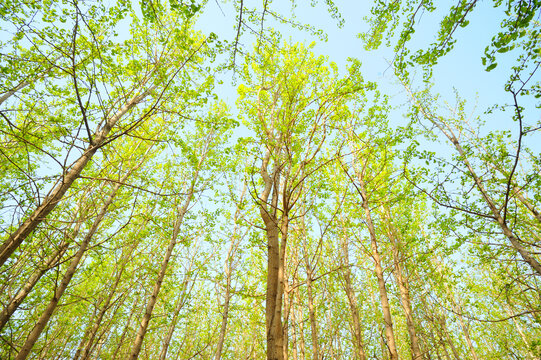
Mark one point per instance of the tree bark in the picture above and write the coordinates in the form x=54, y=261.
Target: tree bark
x=274, y=294
x=274, y=289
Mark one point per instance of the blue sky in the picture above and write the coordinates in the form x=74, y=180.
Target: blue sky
x=460, y=69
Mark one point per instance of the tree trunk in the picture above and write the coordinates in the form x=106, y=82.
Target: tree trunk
x=312, y=313
x=358, y=341
x=403, y=286
x=180, y=304
x=225, y=313
x=389, y=333
x=294, y=330
x=300, y=321
x=520, y=331
x=274, y=295
x=494, y=209
x=69, y=176
x=85, y=346
x=134, y=310
x=138, y=341
x=228, y=274
x=14, y=303
x=287, y=313
x=274, y=289
x=44, y=319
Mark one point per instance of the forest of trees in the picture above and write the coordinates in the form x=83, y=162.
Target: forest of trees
x=309, y=214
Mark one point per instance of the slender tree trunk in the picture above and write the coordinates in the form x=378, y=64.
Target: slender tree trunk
x=389, y=333
x=445, y=332
x=143, y=326
x=358, y=341
x=228, y=273
x=44, y=319
x=286, y=312
x=302, y=344
x=312, y=313
x=14, y=303
x=187, y=286
x=403, y=286
x=406, y=305
x=520, y=331
x=178, y=307
x=138, y=341
x=134, y=310
x=294, y=332
x=87, y=342
x=13, y=91
x=458, y=311
x=225, y=312
x=524, y=200
x=465, y=329
x=384, y=348
x=70, y=175
x=445, y=352
x=494, y=209
x=273, y=299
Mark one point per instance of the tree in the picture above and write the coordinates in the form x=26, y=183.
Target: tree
x=290, y=101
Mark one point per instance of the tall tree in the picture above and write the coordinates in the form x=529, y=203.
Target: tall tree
x=289, y=100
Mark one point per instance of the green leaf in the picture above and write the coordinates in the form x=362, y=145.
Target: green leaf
x=491, y=66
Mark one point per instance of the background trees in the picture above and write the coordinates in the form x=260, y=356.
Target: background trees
x=143, y=216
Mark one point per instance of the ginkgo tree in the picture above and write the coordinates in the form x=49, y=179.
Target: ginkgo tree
x=291, y=100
